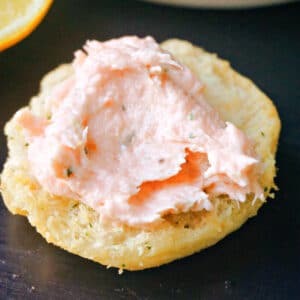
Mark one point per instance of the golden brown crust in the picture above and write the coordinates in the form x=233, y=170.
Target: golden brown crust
x=76, y=227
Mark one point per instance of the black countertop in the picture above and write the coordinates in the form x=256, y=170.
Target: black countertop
x=259, y=261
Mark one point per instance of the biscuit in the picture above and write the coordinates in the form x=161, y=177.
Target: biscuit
x=76, y=227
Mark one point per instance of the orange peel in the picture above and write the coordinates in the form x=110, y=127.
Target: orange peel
x=18, y=18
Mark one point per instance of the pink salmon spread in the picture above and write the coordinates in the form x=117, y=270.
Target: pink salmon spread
x=132, y=136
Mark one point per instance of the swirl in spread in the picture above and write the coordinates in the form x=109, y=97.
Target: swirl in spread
x=132, y=136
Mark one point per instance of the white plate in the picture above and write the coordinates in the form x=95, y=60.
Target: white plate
x=220, y=3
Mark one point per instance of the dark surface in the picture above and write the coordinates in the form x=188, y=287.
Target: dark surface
x=261, y=260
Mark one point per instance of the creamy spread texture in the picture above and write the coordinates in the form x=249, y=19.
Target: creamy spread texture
x=131, y=135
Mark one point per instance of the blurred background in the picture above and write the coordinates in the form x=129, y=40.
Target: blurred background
x=261, y=260
x=221, y=4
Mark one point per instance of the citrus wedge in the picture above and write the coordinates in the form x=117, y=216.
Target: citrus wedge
x=18, y=18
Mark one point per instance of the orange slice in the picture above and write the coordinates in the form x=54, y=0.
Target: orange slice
x=18, y=18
